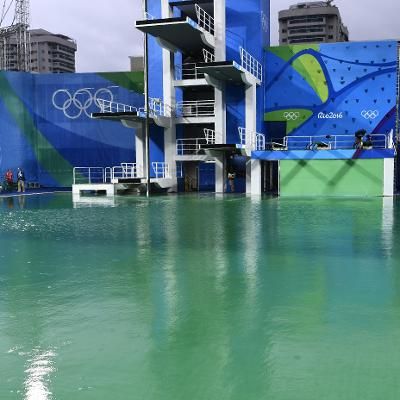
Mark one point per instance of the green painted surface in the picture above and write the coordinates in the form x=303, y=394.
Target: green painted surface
x=129, y=80
x=287, y=52
x=49, y=158
x=292, y=124
x=331, y=178
x=309, y=67
x=199, y=298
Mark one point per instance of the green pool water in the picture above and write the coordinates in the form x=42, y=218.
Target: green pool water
x=199, y=298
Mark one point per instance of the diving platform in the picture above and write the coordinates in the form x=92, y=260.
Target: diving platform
x=229, y=72
x=178, y=34
x=133, y=117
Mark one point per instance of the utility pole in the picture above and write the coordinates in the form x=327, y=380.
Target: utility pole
x=146, y=99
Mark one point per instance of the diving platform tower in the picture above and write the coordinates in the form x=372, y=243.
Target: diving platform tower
x=206, y=68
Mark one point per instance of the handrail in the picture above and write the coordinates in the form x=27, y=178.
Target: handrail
x=205, y=20
x=251, y=64
x=251, y=140
x=148, y=16
x=209, y=134
x=189, y=146
x=208, y=56
x=377, y=141
x=159, y=108
x=201, y=108
x=107, y=106
x=127, y=171
x=161, y=169
x=187, y=71
x=88, y=175
x=99, y=175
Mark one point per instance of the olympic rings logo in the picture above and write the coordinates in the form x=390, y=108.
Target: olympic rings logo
x=73, y=105
x=370, y=114
x=291, y=116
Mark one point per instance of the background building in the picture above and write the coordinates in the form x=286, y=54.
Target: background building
x=52, y=52
x=311, y=22
x=137, y=63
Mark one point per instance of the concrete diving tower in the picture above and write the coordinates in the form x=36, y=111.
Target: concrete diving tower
x=178, y=34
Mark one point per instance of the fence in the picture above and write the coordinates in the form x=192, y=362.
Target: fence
x=201, y=108
x=251, y=140
x=250, y=64
x=161, y=169
x=187, y=71
x=205, y=20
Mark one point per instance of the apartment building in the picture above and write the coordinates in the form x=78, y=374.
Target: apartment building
x=312, y=22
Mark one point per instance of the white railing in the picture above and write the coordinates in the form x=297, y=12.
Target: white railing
x=201, y=108
x=159, y=108
x=251, y=64
x=251, y=140
x=189, y=146
x=126, y=171
x=187, y=71
x=161, y=169
x=99, y=175
x=208, y=56
x=107, y=106
x=209, y=134
x=376, y=141
x=148, y=15
x=205, y=20
x=88, y=175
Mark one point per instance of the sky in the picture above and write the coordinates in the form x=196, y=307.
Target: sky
x=106, y=35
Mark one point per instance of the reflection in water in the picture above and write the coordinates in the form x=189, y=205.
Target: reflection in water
x=387, y=225
x=38, y=372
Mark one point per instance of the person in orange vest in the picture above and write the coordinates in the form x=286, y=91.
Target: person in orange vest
x=9, y=179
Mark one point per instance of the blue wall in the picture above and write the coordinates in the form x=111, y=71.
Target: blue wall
x=46, y=128
x=333, y=88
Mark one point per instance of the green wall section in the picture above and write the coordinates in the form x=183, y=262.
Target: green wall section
x=292, y=124
x=331, y=177
x=129, y=80
x=47, y=156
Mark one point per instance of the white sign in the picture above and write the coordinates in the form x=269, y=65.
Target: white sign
x=330, y=115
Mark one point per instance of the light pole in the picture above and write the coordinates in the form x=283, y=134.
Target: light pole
x=146, y=99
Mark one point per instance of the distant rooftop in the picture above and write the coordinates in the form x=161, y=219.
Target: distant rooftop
x=43, y=32
x=311, y=4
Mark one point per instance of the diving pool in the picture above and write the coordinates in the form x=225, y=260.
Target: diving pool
x=199, y=297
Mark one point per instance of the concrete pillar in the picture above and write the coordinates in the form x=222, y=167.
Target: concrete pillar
x=169, y=98
x=388, y=176
x=140, y=147
x=256, y=175
x=220, y=174
x=219, y=93
x=251, y=108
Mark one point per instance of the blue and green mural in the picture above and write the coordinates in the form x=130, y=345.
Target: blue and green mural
x=46, y=127
x=331, y=89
